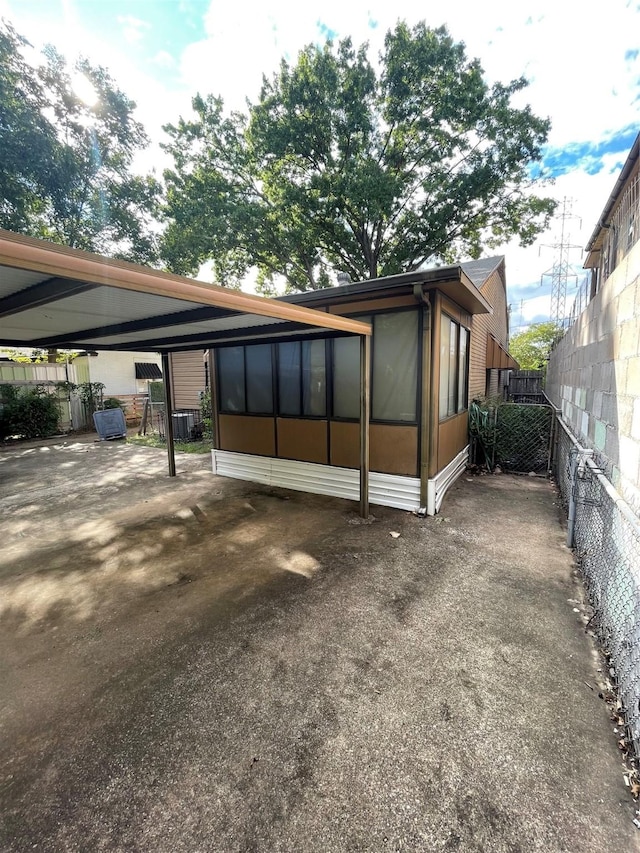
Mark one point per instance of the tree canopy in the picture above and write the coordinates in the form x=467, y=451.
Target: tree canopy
x=346, y=166
x=532, y=347
x=66, y=167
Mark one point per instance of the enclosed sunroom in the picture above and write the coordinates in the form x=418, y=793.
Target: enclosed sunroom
x=287, y=412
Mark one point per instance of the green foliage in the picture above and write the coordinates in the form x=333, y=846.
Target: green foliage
x=91, y=395
x=112, y=403
x=522, y=437
x=66, y=167
x=482, y=432
x=197, y=447
x=207, y=417
x=339, y=166
x=156, y=392
x=27, y=413
x=37, y=356
x=532, y=347
x=511, y=435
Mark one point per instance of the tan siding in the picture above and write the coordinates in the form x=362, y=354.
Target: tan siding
x=393, y=448
x=248, y=434
x=188, y=378
x=305, y=440
x=452, y=438
x=482, y=325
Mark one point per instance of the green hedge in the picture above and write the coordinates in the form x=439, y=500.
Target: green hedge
x=27, y=413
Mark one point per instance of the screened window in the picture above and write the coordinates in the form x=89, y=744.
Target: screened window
x=231, y=371
x=302, y=382
x=463, y=371
x=346, y=378
x=394, y=370
x=259, y=381
x=246, y=379
x=395, y=367
x=454, y=367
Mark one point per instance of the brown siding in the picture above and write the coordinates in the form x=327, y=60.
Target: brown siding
x=452, y=438
x=345, y=444
x=248, y=434
x=305, y=440
x=393, y=449
x=482, y=325
x=187, y=378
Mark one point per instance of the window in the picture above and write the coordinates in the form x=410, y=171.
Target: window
x=259, y=381
x=346, y=377
x=463, y=370
x=454, y=367
x=245, y=379
x=394, y=385
x=231, y=371
x=302, y=379
x=395, y=367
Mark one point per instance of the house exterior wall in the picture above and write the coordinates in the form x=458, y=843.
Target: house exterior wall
x=483, y=325
x=188, y=378
x=594, y=377
x=116, y=370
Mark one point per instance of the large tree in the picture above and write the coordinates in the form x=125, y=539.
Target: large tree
x=342, y=166
x=531, y=348
x=66, y=170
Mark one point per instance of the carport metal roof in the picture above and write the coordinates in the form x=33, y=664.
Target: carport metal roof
x=53, y=296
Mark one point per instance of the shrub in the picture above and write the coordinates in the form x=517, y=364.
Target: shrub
x=112, y=403
x=28, y=413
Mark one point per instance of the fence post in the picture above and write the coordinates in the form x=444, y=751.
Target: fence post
x=577, y=465
x=571, y=519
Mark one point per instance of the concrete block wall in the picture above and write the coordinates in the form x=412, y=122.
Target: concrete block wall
x=594, y=377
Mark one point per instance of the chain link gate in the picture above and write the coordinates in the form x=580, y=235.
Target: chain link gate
x=515, y=436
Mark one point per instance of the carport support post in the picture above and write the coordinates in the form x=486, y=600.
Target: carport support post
x=168, y=419
x=365, y=373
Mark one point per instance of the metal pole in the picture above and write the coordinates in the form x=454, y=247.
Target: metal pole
x=425, y=406
x=573, y=486
x=365, y=373
x=168, y=412
x=213, y=391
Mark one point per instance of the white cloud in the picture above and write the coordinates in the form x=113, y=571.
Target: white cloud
x=133, y=29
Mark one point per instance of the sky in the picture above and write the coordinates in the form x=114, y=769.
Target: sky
x=583, y=67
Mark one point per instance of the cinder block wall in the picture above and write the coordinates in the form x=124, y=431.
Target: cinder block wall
x=594, y=377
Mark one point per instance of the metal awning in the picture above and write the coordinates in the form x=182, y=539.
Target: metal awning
x=52, y=296
x=55, y=297
x=147, y=370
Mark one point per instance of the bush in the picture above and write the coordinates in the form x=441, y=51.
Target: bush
x=28, y=413
x=112, y=403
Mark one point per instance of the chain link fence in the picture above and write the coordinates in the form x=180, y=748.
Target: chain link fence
x=514, y=436
x=605, y=535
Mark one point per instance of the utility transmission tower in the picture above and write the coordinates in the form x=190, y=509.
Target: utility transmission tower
x=561, y=271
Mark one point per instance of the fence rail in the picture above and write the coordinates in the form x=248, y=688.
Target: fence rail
x=606, y=537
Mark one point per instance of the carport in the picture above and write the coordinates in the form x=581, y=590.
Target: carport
x=55, y=297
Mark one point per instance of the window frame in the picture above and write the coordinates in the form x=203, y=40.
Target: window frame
x=458, y=410
x=370, y=318
x=245, y=412
x=276, y=375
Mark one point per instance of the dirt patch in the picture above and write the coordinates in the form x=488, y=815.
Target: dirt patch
x=200, y=663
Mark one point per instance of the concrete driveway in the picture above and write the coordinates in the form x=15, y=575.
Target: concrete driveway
x=201, y=664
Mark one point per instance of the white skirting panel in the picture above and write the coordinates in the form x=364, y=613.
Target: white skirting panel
x=384, y=489
x=437, y=488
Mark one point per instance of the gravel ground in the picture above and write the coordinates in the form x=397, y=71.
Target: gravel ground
x=201, y=664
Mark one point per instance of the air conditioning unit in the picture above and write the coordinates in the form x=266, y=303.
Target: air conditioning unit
x=183, y=424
